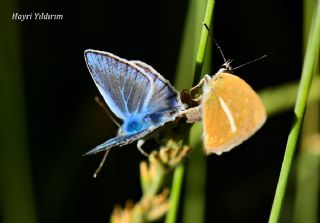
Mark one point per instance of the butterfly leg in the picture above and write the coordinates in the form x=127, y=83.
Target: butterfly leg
x=139, y=146
x=193, y=114
x=192, y=96
x=194, y=91
x=104, y=107
x=101, y=164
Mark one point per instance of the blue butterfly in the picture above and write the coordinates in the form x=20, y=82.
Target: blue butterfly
x=136, y=93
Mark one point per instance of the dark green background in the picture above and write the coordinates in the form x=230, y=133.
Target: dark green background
x=63, y=121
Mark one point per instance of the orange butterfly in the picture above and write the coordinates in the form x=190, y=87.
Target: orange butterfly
x=230, y=109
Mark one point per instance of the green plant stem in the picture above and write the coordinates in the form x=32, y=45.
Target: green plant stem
x=175, y=194
x=308, y=11
x=195, y=189
x=307, y=163
x=189, y=43
x=178, y=174
x=311, y=122
x=203, y=42
x=16, y=191
x=307, y=187
x=312, y=51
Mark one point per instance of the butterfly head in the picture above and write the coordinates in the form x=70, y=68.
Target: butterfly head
x=226, y=67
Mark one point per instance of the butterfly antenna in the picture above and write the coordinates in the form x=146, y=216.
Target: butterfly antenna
x=218, y=46
x=252, y=61
x=101, y=164
x=100, y=103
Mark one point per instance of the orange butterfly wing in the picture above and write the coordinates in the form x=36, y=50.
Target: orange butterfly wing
x=232, y=112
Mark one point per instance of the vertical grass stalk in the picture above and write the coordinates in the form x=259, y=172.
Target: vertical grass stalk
x=308, y=160
x=179, y=171
x=312, y=51
x=16, y=192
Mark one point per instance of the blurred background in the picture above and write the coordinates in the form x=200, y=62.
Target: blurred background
x=49, y=117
